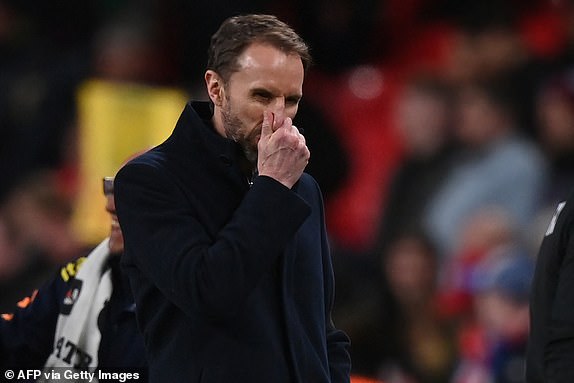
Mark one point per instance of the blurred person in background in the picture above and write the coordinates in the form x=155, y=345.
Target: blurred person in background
x=482, y=234
x=37, y=235
x=486, y=230
x=423, y=345
x=555, y=133
x=494, y=168
x=39, y=149
x=83, y=317
x=555, y=109
x=551, y=339
x=424, y=120
x=362, y=305
x=493, y=345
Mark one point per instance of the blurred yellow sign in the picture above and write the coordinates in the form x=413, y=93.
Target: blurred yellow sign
x=116, y=120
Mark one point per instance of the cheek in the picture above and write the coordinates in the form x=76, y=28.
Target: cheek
x=291, y=112
x=247, y=113
x=254, y=112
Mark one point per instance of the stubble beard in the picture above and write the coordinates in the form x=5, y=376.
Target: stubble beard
x=232, y=126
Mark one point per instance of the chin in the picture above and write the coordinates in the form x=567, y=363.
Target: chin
x=116, y=246
x=118, y=250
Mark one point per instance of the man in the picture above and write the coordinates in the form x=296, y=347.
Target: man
x=82, y=318
x=550, y=354
x=226, y=247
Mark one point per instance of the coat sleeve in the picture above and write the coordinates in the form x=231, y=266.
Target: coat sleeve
x=200, y=272
x=559, y=350
x=337, y=341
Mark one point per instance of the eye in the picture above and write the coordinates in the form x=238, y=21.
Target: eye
x=294, y=101
x=262, y=95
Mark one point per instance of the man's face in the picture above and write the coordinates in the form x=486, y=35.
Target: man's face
x=268, y=79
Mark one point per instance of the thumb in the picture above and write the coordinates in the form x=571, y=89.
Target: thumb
x=267, y=125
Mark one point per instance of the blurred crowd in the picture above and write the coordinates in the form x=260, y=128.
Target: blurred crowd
x=441, y=133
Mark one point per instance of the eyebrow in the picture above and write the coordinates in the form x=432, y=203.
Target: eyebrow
x=295, y=96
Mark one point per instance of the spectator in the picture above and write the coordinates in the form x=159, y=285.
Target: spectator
x=555, y=107
x=424, y=349
x=481, y=233
x=82, y=318
x=493, y=346
x=424, y=119
x=38, y=236
x=495, y=167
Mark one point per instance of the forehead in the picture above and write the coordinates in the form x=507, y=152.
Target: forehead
x=262, y=65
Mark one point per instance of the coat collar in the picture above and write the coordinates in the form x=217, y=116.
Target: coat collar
x=195, y=126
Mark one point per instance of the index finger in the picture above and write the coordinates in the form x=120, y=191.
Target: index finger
x=267, y=124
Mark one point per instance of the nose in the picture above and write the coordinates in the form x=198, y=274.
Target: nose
x=278, y=105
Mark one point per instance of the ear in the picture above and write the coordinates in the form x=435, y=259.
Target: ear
x=215, y=87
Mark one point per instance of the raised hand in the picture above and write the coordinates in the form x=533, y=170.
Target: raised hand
x=282, y=151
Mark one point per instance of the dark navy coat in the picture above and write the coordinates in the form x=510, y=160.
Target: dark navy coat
x=232, y=282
